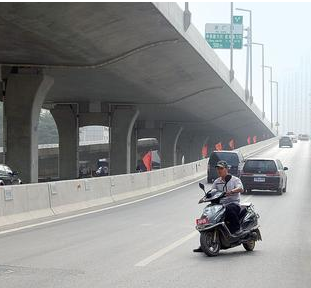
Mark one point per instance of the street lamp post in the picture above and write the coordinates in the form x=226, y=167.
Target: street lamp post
x=277, y=106
x=250, y=31
x=263, y=75
x=247, y=94
x=269, y=67
x=231, y=43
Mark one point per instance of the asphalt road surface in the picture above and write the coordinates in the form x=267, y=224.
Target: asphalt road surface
x=149, y=243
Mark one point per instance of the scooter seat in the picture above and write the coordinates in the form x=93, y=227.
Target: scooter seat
x=246, y=204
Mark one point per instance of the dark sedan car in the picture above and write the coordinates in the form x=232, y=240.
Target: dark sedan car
x=234, y=159
x=8, y=177
x=304, y=137
x=264, y=174
x=285, y=141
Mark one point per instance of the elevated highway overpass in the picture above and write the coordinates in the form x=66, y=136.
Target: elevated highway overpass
x=129, y=66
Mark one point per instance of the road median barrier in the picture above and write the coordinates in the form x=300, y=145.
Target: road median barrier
x=72, y=195
x=252, y=149
x=19, y=203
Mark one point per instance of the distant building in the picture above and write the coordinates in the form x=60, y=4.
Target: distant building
x=94, y=133
x=295, y=99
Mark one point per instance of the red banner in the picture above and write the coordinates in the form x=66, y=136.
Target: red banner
x=205, y=151
x=147, y=160
x=249, y=140
x=218, y=146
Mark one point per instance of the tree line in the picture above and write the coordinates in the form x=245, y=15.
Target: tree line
x=47, y=130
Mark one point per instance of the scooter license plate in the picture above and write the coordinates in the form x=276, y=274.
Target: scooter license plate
x=202, y=221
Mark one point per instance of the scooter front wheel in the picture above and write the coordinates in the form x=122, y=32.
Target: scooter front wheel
x=210, y=244
x=249, y=246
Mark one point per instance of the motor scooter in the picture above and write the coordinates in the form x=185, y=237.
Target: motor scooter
x=214, y=232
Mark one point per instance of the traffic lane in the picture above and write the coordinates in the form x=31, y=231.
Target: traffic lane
x=283, y=258
x=103, y=248
x=47, y=245
x=99, y=245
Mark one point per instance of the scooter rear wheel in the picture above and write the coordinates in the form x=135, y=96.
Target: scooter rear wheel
x=209, y=243
x=249, y=246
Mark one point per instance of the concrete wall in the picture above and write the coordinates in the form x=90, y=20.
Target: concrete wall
x=24, y=202
x=252, y=149
x=32, y=201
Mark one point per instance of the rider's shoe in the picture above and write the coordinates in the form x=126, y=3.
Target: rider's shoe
x=197, y=250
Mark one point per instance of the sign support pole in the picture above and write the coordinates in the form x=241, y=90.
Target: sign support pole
x=247, y=64
x=231, y=43
x=251, y=55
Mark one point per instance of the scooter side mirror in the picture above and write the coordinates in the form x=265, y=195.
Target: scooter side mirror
x=201, y=185
x=228, y=178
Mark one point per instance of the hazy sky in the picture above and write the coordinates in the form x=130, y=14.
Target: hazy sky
x=284, y=28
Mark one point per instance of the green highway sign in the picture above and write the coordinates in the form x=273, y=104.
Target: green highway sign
x=218, y=35
x=222, y=41
x=238, y=20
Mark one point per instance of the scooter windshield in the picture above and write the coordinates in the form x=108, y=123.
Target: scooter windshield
x=214, y=194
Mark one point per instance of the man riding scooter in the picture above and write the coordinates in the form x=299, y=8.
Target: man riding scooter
x=233, y=188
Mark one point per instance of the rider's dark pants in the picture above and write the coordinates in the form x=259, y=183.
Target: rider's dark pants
x=232, y=217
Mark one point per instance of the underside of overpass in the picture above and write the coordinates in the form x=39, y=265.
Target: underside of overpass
x=129, y=66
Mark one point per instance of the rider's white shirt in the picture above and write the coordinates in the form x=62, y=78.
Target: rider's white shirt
x=234, y=182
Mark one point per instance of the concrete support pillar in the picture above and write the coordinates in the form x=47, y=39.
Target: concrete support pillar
x=93, y=113
x=134, y=150
x=196, y=148
x=168, y=144
x=191, y=144
x=122, y=122
x=213, y=141
x=66, y=118
x=25, y=94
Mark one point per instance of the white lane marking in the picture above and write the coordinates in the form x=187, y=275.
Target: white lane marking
x=165, y=250
x=95, y=211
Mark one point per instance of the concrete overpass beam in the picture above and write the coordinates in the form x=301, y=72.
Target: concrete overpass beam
x=66, y=118
x=168, y=144
x=25, y=94
x=122, y=122
x=93, y=113
x=92, y=119
x=149, y=129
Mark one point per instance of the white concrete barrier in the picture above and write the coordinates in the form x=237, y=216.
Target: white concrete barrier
x=24, y=202
x=128, y=185
x=72, y=195
x=20, y=203
x=133, y=185
x=249, y=150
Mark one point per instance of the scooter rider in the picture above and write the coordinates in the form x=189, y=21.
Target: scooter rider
x=233, y=189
